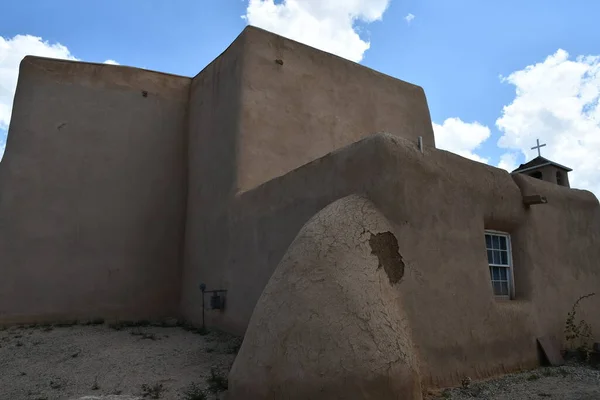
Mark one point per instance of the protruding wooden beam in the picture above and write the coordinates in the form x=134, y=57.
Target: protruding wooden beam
x=534, y=199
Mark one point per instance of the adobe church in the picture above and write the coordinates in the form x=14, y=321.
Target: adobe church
x=358, y=260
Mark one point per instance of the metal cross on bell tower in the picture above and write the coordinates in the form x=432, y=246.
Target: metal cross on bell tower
x=538, y=147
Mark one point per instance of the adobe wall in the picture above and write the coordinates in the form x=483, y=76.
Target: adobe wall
x=440, y=231
x=314, y=103
x=99, y=178
x=92, y=191
x=213, y=130
x=252, y=120
x=439, y=205
x=264, y=221
x=559, y=243
x=343, y=330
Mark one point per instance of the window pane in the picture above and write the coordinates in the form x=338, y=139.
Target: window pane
x=496, y=274
x=503, y=274
x=497, y=251
x=495, y=242
x=497, y=288
x=497, y=256
x=503, y=242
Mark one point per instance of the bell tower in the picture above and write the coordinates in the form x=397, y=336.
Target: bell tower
x=544, y=169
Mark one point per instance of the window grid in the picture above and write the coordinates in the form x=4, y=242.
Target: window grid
x=499, y=260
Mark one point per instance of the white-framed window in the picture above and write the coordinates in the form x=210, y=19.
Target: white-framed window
x=499, y=256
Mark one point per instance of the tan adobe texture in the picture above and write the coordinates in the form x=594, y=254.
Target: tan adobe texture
x=348, y=251
x=438, y=206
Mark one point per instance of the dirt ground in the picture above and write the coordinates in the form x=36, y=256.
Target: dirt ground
x=141, y=361
x=70, y=362
x=569, y=382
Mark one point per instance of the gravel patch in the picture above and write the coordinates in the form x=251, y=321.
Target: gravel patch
x=570, y=382
x=101, y=362
x=71, y=362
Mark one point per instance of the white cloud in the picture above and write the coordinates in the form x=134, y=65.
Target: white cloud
x=557, y=101
x=508, y=161
x=12, y=51
x=409, y=18
x=328, y=25
x=111, y=62
x=462, y=138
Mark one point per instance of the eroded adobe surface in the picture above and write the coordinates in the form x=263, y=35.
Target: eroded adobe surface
x=329, y=324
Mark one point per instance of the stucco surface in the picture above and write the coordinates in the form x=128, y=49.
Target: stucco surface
x=92, y=193
x=556, y=253
x=108, y=167
x=251, y=120
x=329, y=324
x=439, y=205
x=313, y=103
x=213, y=146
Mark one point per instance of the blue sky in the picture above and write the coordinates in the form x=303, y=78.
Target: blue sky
x=457, y=50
